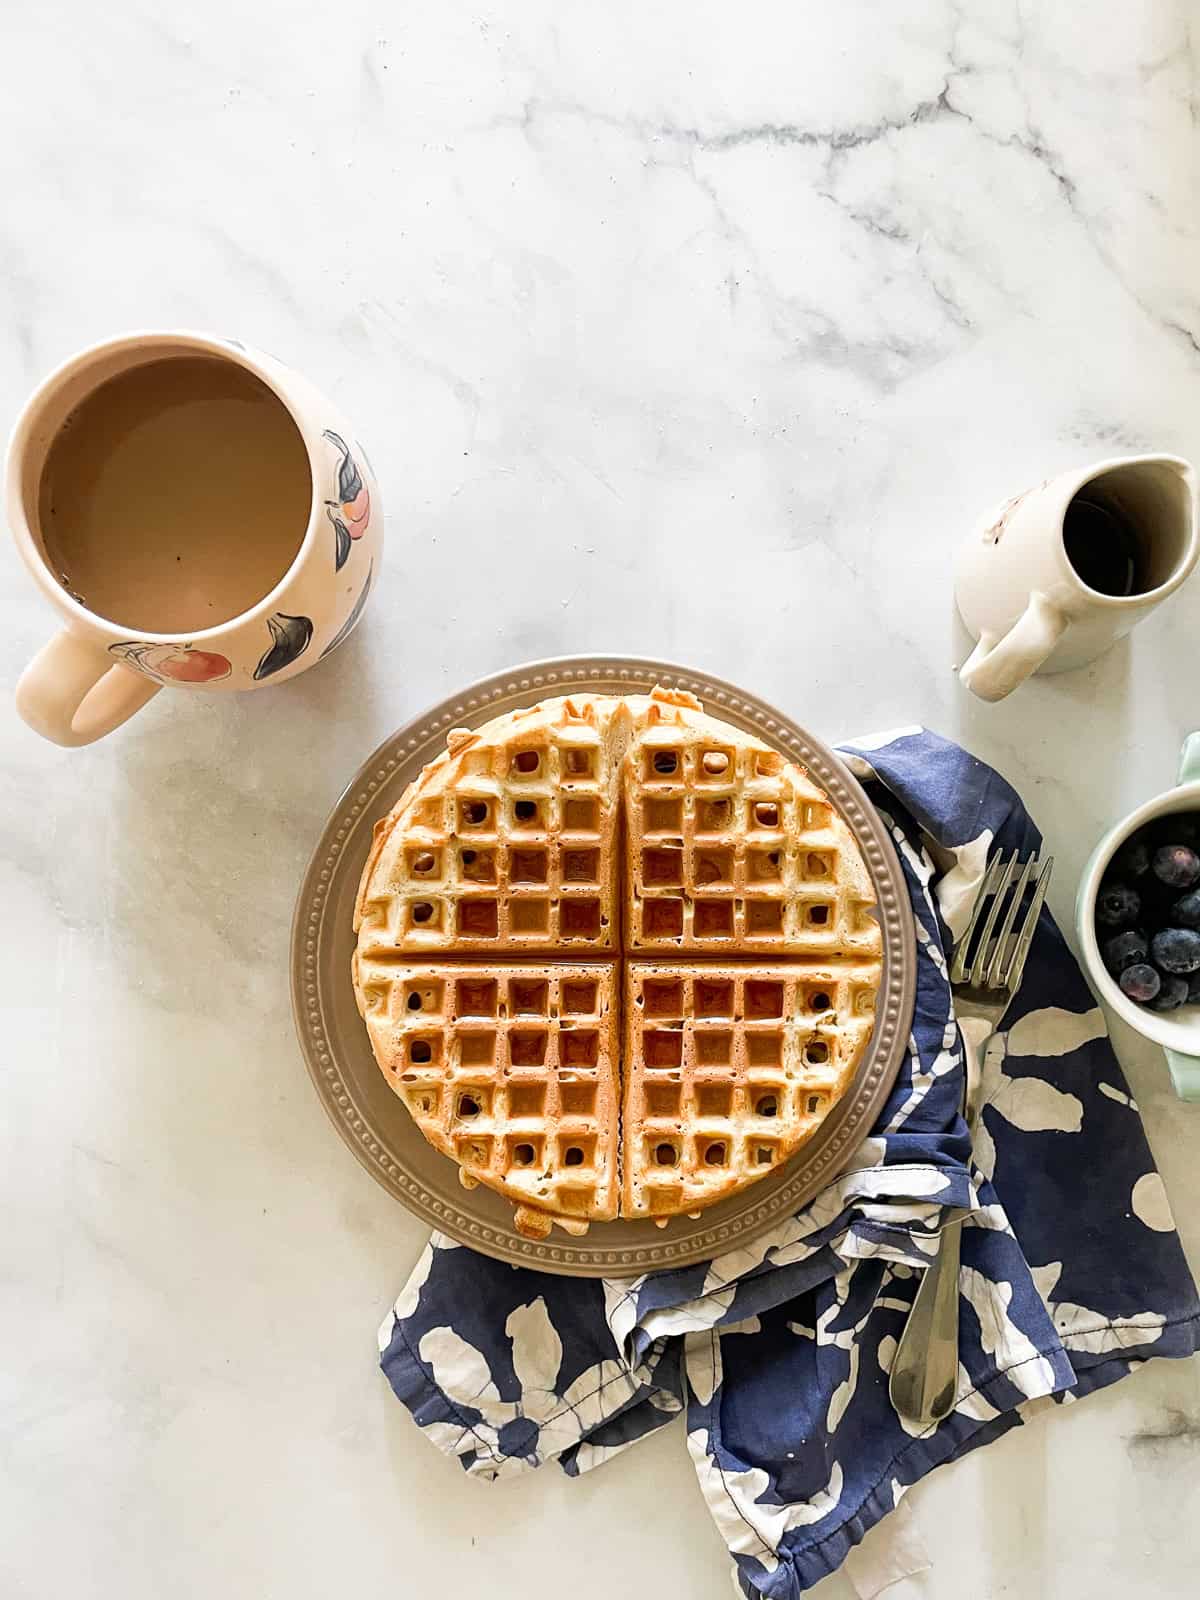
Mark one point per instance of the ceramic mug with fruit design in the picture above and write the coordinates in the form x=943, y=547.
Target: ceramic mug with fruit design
x=1178, y=1031
x=200, y=517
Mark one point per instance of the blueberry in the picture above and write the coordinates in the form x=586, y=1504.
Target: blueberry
x=1178, y=828
x=1176, y=950
x=1157, y=902
x=1117, y=906
x=1124, y=949
x=1132, y=860
x=1185, y=913
x=1176, y=865
x=1140, y=982
x=1173, y=993
x=1193, y=997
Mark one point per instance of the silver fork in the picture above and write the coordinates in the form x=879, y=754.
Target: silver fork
x=985, y=974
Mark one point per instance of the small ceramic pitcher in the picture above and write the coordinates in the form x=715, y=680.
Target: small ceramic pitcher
x=94, y=674
x=1030, y=605
x=1177, y=1031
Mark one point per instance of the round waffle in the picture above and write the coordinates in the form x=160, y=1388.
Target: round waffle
x=570, y=839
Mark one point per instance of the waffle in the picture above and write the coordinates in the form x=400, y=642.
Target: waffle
x=511, y=1072
x=730, y=1069
x=566, y=842
x=506, y=843
x=732, y=849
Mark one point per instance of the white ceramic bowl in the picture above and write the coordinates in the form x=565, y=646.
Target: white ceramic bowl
x=1177, y=1031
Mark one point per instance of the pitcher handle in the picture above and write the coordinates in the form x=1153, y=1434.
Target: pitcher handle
x=996, y=666
x=73, y=693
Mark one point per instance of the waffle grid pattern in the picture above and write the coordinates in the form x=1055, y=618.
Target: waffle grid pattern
x=511, y=1071
x=517, y=853
x=732, y=851
x=512, y=846
x=728, y=1070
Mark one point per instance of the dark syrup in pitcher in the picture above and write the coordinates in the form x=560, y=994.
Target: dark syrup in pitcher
x=1103, y=547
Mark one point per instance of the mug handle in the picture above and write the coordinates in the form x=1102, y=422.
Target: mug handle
x=996, y=666
x=1185, y=1070
x=73, y=693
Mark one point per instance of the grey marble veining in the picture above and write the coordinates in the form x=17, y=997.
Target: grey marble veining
x=700, y=331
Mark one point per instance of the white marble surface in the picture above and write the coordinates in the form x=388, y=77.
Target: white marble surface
x=688, y=329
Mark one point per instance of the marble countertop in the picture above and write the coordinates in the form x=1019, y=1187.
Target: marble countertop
x=689, y=330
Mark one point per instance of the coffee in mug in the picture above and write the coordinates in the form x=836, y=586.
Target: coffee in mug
x=175, y=495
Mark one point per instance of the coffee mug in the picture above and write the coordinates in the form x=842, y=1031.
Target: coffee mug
x=1177, y=1031
x=199, y=516
x=1061, y=572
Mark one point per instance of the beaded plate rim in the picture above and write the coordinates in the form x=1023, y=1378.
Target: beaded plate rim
x=395, y=1154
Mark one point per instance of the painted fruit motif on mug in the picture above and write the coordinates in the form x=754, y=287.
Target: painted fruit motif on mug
x=350, y=513
x=341, y=539
x=355, y=613
x=173, y=663
x=290, y=637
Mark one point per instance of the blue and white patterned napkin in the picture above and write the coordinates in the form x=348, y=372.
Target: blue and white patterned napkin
x=1072, y=1272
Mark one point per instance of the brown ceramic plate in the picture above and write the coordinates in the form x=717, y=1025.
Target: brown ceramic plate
x=375, y=1124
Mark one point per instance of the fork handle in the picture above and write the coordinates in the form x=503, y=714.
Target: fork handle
x=925, y=1368
x=924, y=1378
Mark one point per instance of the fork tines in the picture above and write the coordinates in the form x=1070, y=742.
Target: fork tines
x=992, y=950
